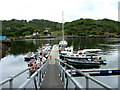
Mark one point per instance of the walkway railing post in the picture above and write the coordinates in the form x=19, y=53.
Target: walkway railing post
x=66, y=82
x=65, y=66
x=76, y=88
x=11, y=83
x=71, y=71
x=40, y=76
x=60, y=71
x=87, y=83
x=62, y=76
x=35, y=83
x=42, y=73
x=39, y=80
x=29, y=72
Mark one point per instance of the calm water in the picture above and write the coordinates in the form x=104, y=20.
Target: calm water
x=14, y=61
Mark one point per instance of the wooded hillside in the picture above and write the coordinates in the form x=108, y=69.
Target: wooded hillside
x=80, y=27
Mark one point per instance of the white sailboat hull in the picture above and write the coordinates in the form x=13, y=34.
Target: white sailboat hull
x=63, y=43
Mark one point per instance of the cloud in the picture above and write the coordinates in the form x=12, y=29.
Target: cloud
x=52, y=9
x=98, y=9
x=119, y=11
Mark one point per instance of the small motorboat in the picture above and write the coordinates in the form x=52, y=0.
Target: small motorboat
x=83, y=63
x=73, y=56
x=34, y=64
x=95, y=57
x=66, y=51
x=29, y=56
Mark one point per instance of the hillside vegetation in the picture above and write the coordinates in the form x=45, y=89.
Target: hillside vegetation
x=80, y=27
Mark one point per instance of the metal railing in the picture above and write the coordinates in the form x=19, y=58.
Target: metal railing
x=66, y=76
x=40, y=73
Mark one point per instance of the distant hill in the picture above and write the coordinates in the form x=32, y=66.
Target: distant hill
x=83, y=27
x=80, y=27
x=22, y=27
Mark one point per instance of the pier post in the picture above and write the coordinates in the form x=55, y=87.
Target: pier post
x=66, y=82
x=35, y=83
x=11, y=83
x=87, y=83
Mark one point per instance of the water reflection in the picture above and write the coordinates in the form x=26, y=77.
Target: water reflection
x=24, y=46
x=109, y=47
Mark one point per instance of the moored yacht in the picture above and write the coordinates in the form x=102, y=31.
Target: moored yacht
x=63, y=43
x=83, y=63
x=86, y=54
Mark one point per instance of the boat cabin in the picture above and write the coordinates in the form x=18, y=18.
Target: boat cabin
x=67, y=51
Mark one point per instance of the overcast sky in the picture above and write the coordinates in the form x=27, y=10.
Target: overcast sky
x=52, y=9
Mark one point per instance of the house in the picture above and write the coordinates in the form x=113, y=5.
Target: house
x=47, y=31
x=34, y=34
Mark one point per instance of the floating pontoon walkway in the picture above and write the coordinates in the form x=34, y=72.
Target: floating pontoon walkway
x=52, y=79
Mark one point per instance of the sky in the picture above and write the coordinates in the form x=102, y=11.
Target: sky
x=52, y=9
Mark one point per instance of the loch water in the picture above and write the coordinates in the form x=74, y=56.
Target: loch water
x=14, y=62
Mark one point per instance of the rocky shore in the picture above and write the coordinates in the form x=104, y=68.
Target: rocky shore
x=4, y=47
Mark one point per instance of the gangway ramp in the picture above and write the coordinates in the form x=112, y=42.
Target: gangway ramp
x=52, y=79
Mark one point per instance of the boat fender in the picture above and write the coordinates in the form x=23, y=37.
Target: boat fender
x=40, y=59
x=50, y=56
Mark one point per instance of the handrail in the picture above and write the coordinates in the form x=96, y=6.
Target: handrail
x=76, y=83
x=5, y=81
x=86, y=75
x=32, y=77
x=71, y=78
x=10, y=78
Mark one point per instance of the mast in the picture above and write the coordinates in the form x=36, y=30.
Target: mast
x=63, y=24
x=63, y=42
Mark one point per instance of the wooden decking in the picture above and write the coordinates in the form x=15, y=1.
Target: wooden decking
x=52, y=79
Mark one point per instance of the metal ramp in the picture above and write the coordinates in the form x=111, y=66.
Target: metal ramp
x=52, y=79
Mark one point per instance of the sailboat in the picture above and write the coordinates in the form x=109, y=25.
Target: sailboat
x=63, y=43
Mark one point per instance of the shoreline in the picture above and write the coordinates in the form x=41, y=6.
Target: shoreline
x=48, y=37
x=4, y=47
x=92, y=36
